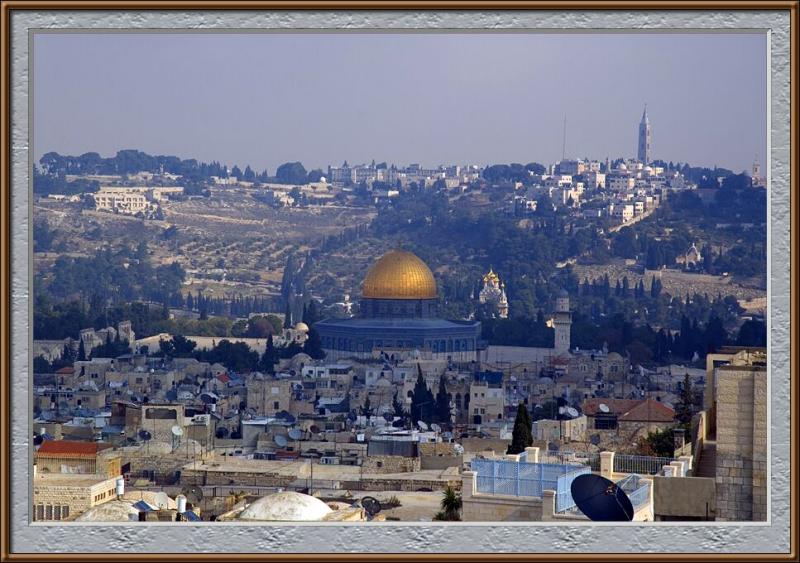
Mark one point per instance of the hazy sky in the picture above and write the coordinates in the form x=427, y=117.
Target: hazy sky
x=264, y=99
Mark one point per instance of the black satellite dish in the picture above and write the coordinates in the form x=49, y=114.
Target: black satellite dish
x=600, y=499
x=371, y=505
x=193, y=494
x=144, y=435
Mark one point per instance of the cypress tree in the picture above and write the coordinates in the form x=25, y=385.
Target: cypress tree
x=522, y=436
x=443, y=402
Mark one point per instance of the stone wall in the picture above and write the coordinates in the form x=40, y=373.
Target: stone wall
x=436, y=448
x=741, y=443
x=684, y=497
x=485, y=444
x=238, y=478
x=441, y=461
x=390, y=464
x=62, y=500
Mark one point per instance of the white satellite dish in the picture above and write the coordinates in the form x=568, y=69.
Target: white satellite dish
x=422, y=425
x=561, y=410
x=281, y=441
x=603, y=407
x=295, y=433
x=177, y=430
x=436, y=428
x=573, y=412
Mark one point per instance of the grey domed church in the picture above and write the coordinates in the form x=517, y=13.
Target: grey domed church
x=398, y=312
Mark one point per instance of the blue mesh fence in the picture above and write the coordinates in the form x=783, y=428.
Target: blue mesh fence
x=501, y=477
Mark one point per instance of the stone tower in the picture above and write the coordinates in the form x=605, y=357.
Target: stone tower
x=562, y=322
x=645, y=137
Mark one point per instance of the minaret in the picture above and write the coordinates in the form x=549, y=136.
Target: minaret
x=562, y=322
x=756, y=175
x=645, y=136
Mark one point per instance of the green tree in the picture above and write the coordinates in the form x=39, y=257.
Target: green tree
x=443, y=402
x=684, y=409
x=270, y=357
x=313, y=345
x=291, y=173
x=451, y=504
x=177, y=347
x=521, y=436
x=422, y=402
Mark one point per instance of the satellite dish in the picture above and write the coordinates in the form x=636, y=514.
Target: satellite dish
x=561, y=410
x=295, y=433
x=603, y=407
x=161, y=500
x=573, y=412
x=177, y=430
x=314, y=429
x=436, y=428
x=422, y=425
x=193, y=494
x=281, y=441
x=601, y=499
x=145, y=436
x=371, y=505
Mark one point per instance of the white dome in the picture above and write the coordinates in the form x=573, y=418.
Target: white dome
x=622, y=166
x=301, y=327
x=112, y=511
x=287, y=506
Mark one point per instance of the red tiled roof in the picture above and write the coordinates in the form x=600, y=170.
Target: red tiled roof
x=649, y=411
x=631, y=410
x=615, y=406
x=65, y=370
x=67, y=448
x=224, y=377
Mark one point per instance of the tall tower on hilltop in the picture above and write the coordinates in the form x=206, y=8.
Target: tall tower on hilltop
x=562, y=322
x=645, y=136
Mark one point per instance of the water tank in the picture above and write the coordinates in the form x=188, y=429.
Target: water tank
x=181, y=501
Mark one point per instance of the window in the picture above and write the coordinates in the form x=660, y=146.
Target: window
x=48, y=512
x=39, y=513
x=57, y=513
x=65, y=511
x=276, y=405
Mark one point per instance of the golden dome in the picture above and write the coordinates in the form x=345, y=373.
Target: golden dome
x=399, y=275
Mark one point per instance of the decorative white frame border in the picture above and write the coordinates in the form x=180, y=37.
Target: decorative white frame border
x=700, y=537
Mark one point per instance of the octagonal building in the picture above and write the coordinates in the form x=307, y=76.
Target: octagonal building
x=399, y=312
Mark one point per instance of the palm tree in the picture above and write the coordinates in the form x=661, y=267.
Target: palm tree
x=451, y=506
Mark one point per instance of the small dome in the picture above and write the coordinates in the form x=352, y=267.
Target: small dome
x=112, y=511
x=287, y=506
x=301, y=327
x=622, y=166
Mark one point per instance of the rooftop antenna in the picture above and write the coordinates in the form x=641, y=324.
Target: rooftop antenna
x=564, y=140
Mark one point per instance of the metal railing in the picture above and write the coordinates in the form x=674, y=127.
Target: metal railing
x=589, y=459
x=641, y=464
x=637, y=489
